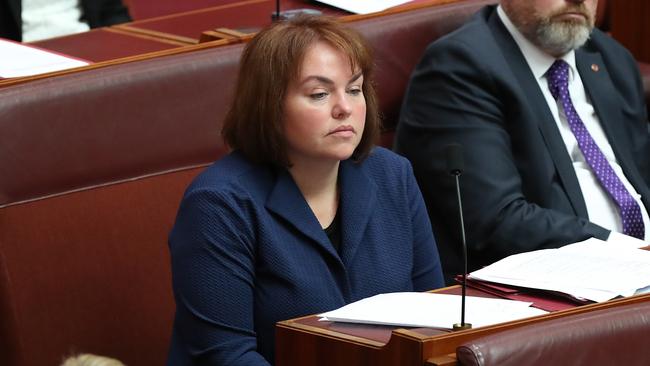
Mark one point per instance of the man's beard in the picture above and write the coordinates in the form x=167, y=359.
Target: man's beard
x=555, y=36
x=560, y=37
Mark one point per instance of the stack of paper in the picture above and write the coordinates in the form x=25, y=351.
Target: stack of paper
x=22, y=60
x=364, y=6
x=424, y=309
x=593, y=270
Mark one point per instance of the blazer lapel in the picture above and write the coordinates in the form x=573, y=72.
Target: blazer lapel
x=287, y=201
x=599, y=86
x=542, y=114
x=358, y=199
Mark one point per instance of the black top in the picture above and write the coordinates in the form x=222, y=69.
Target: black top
x=334, y=231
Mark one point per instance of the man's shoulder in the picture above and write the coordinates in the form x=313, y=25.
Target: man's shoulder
x=606, y=45
x=619, y=61
x=473, y=33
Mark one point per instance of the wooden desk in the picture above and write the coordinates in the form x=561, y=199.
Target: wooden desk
x=307, y=342
x=145, y=9
x=183, y=29
x=103, y=44
x=250, y=15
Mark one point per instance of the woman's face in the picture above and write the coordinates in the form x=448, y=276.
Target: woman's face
x=324, y=107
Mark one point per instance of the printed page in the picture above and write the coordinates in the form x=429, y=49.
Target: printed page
x=593, y=270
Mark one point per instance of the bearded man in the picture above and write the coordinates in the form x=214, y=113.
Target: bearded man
x=552, y=118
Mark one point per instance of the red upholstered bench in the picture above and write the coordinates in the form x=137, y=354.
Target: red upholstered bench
x=93, y=165
x=613, y=336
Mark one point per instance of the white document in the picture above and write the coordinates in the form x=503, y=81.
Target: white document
x=593, y=270
x=21, y=60
x=425, y=309
x=364, y=6
x=624, y=240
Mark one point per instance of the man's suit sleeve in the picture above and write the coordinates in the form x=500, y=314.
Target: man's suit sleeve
x=454, y=96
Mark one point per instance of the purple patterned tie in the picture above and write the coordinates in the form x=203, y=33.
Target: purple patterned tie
x=558, y=83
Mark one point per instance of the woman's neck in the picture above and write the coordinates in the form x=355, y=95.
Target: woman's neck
x=318, y=183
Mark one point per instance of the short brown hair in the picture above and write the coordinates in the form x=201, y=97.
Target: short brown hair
x=269, y=62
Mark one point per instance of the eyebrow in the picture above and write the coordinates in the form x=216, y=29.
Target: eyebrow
x=328, y=81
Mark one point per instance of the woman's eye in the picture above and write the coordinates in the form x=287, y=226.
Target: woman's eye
x=318, y=96
x=354, y=91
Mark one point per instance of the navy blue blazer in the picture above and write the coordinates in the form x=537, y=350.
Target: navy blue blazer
x=520, y=191
x=247, y=251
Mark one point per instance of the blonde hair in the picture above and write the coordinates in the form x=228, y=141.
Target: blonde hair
x=87, y=359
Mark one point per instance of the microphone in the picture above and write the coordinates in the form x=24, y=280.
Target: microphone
x=288, y=14
x=276, y=16
x=455, y=166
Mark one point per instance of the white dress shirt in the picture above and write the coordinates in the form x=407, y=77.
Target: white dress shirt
x=601, y=207
x=51, y=18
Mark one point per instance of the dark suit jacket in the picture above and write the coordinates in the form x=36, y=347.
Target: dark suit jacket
x=247, y=251
x=519, y=188
x=98, y=13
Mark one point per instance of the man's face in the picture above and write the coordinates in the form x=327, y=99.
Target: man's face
x=555, y=26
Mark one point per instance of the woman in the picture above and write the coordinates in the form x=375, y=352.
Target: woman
x=304, y=216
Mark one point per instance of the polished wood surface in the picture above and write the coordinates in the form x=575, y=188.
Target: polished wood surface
x=102, y=44
x=139, y=57
x=228, y=33
x=145, y=9
x=238, y=20
x=122, y=44
x=247, y=16
x=305, y=341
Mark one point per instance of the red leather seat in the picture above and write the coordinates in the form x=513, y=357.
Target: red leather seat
x=615, y=336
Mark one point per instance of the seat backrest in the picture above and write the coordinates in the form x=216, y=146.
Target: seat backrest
x=93, y=167
x=603, y=15
x=613, y=336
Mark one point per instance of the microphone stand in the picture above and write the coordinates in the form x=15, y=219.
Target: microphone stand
x=462, y=325
x=278, y=15
x=455, y=164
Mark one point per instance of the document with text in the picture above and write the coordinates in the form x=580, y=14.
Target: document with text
x=590, y=270
x=426, y=309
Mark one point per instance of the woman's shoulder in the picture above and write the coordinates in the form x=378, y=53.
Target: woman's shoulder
x=232, y=174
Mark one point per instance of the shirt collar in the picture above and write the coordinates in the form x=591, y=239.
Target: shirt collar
x=538, y=60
